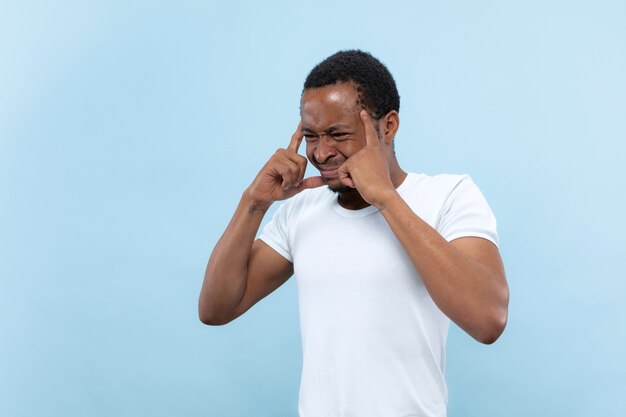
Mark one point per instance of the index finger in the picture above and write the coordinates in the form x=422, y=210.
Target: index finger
x=371, y=135
x=296, y=139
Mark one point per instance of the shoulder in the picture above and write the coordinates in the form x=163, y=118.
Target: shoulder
x=437, y=182
x=446, y=188
x=434, y=187
x=304, y=201
x=279, y=232
x=463, y=209
x=435, y=197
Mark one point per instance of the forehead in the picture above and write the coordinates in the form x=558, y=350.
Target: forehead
x=332, y=104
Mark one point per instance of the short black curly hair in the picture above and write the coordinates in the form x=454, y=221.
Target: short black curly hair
x=374, y=83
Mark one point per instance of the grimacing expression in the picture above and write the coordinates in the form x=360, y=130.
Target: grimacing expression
x=332, y=129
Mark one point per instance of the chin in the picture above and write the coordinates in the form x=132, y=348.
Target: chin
x=336, y=186
x=340, y=189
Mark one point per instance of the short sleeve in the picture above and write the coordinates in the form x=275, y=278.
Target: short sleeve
x=466, y=213
x=275, y=233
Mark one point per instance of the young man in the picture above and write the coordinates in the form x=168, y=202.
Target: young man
x=383, y=258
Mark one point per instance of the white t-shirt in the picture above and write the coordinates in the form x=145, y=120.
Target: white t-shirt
x=373, y=340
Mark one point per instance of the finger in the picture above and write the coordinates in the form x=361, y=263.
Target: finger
x=296, y=139
x=344, y=175
x=290, y=173
x=371, y=136
x=300, y=161
x=312, y=182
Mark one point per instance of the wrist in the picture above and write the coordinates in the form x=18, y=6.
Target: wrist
x=385, y=198
x=254, y=205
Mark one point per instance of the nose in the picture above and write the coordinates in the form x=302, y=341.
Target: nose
x=324, y=149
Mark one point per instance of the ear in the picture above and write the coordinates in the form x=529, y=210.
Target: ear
x=389, y=125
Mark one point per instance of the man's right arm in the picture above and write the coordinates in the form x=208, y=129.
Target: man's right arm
x=242, y=270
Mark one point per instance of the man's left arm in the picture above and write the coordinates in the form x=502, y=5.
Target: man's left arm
x=464, y=277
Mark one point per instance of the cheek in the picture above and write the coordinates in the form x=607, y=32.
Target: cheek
x=347, y=149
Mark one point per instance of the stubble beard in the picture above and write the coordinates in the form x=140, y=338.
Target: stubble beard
x=340, y=189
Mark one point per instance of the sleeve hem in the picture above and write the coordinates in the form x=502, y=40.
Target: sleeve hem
x=276, y=247
x=486, y=236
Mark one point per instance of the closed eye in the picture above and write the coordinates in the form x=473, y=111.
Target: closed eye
x=339, y=135
x=310, y=138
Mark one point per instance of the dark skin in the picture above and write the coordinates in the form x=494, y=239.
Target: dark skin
x=334, y=127
x=355, y=156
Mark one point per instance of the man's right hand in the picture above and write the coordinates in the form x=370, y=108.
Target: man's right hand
x=282, y=177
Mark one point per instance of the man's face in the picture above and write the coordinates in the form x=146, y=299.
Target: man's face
x=332, y=129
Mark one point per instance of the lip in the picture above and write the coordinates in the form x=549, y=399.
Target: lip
x=329, y=172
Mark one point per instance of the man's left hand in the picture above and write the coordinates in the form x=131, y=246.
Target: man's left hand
x=368, y=169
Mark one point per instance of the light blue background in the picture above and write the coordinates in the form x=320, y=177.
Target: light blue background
x=128, y=131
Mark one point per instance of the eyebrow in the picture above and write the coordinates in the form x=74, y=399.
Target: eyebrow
x=331, y=129
x=338, y=127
